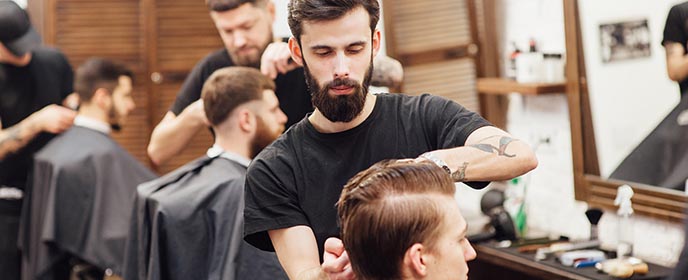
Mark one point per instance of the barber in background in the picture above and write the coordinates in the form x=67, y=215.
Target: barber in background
x=245, y=27
x=82, y=184
x=189, y=223
x=32, y=81
x=675, y=42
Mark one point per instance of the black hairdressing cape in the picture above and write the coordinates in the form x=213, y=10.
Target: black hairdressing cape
x=661, y=159
x=188, y=224
x=79, y=203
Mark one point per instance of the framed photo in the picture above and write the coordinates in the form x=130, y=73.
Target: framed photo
x=625, y=40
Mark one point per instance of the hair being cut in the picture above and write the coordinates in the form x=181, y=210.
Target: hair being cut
x=324, y=10
x=387, y=208
x=229, y=87
x=226, y=5
x=97, y=73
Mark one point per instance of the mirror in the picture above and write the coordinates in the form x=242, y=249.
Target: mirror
x=629, y=90
x=619, y=92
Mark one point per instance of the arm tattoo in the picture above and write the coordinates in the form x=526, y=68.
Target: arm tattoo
x=13, y=139
x=460, y=174
x=501, y=151
x=13, y=135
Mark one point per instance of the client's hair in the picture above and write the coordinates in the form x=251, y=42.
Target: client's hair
x=387, y=208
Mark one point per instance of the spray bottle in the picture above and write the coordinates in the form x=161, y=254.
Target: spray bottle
x=623, y=200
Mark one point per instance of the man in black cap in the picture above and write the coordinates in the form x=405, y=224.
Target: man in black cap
x=32, y=81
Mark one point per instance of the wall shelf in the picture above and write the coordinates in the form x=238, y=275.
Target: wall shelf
x=502, y=86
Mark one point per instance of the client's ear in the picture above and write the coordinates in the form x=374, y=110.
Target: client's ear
x=102, y=98
x=415, y=261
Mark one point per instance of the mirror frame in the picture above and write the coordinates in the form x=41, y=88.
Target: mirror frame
x=652, y=201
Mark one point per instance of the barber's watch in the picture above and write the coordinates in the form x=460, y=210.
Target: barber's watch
x=430, y=156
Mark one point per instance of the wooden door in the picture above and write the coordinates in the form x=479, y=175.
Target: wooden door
x=180, y=33
x=109, y=29
x=160, y=40
x=435, y=41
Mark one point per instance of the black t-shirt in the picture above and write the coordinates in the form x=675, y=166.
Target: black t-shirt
x=298, y=179
x=676, y=31
x=46, y=80
x=291, y=89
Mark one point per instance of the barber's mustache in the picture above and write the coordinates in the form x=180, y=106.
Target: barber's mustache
x=342, y=82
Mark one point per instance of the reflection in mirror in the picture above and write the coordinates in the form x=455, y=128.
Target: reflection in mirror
x=631, y=96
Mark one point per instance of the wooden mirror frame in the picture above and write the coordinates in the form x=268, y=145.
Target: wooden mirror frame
x=648, y=200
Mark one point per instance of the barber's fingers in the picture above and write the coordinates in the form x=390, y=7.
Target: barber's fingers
x=347, y=274
x=55, y=118
x=268, y=60
x=276, y=59
x=334, y=246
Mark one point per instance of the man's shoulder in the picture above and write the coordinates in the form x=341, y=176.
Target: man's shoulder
x=410, y=100
x=216, y=59
x=45, y=52
x=48, y=55
x=682, y=6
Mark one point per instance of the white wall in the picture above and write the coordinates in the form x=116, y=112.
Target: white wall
x=550, y=197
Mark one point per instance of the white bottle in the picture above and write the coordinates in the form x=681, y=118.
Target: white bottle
x=625, y=230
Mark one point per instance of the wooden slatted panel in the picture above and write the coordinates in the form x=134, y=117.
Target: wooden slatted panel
x=184, y=35
x=421, y=26
x=110, y=29
x=454, y=79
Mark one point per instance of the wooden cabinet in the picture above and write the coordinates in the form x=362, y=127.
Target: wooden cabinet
x=160, y=40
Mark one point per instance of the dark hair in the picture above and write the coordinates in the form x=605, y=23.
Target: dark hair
x=323, y=10
x=387, y=208
x=229, y=87
x=97, y=73
x=226, y=5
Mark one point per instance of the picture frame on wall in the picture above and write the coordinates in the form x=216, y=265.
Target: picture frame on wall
x=625, y=40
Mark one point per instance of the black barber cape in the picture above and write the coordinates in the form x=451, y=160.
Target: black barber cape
x=661, y=159
x=80, y=198
x=188, y=224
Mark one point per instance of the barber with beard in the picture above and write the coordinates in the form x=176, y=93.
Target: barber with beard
x=293, y=185
x=245, y=27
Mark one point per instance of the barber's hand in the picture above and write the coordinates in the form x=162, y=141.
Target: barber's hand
x=196, y=112
x=276, y=60
x=53, y=118
x=335, y=260
x=71, y=101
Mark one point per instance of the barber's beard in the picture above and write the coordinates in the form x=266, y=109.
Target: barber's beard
x=251, y=60
x=263, y=137
x=339, y=108
x=114, y=119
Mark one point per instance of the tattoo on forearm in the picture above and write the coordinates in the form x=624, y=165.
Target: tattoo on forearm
x=11, y=140
x=487, y=138
x=460, y=174
x=501, y=151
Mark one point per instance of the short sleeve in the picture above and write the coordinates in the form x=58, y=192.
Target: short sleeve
x=193, y=84
x=451, y=123
x=675, y=27
x=190, y=91
x=271, y=200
